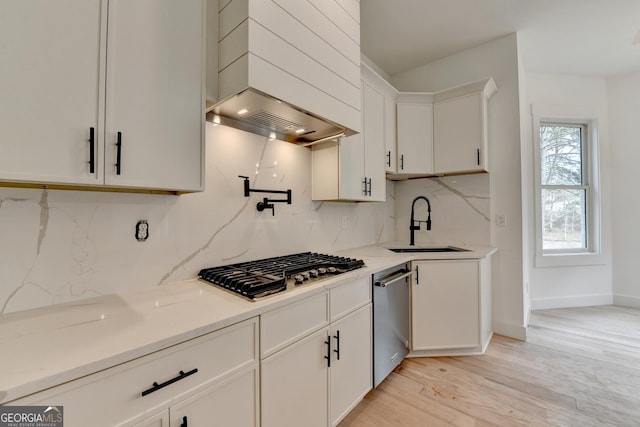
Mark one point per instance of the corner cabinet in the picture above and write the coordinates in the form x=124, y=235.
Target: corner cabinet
x=460, y=134
x=450, y=307
x=353, y=168
x=206, y=380
x=103, y=93
x=415, y=134
x=317, y=361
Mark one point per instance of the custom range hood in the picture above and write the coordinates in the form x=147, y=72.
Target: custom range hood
x=254, y=111
x=288, y=71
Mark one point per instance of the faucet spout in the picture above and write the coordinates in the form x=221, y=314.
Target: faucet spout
x=415, y=225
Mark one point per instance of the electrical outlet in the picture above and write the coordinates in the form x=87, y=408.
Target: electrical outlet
x=501, y=220
x=345, y=222
x=142, y=230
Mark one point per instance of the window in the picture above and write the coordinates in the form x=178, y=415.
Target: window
x=567, y=211
x=564, y=187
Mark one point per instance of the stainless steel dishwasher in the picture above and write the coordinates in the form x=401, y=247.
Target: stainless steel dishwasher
x=391, y=315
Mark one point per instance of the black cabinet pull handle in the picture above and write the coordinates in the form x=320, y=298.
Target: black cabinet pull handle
x=328, y=356
x=364, y=184
x=337, y=350
x=401, y=161
x=119, y=153
x=389, y=158
x=92, y=151
x=369, y=190
x=478, y=156
x=180, y=376
x=417, y=276
x=184, y=422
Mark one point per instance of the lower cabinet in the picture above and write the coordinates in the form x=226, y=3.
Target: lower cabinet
x=450, y=307
x=318, y=379
x=198, y=382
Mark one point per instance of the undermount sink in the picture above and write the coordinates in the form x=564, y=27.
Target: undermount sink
x=428, y=249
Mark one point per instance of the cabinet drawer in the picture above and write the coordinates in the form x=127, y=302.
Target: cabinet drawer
x=344, y=299
x=114, y=396
x=284, y=326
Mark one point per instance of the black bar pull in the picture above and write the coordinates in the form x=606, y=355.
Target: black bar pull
x=328, y=356
x=337, y=350
x=92, y=151
x=478, y=154
x=180, y=376
x=119, y=153
x=417, y=276
x=370, y=186
x=184, y=422
x=364, y=184
x=401, y=161
x=389, y=158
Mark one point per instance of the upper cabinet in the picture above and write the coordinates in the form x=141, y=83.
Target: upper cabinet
x=460, y=128
x=103, y=93
x=280, y=58
x=415, y=134
x=353, y=167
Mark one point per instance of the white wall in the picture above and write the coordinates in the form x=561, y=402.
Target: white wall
x=58, y=246
x=624, y=108
x=497, y=59
x=567, y=286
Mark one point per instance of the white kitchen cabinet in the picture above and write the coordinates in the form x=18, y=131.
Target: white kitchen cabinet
x=52, y=89
x=460, y=128
x=391, y=163
x=155, y=94
x=450, y=307
x=351, y=366
x=159, y=420
x=414, y=134
x=353, y=168
x=103, y=68
x=316, y=379
x=294, y=384
x=206, y=372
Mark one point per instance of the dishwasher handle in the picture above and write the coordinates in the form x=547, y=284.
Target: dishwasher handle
x=392, y=278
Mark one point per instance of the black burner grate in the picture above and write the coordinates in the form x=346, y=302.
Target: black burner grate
x=254, y=279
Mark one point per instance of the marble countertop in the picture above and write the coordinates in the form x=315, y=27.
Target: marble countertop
x=49, y=346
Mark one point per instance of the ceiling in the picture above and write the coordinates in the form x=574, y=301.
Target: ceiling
x=579, y=37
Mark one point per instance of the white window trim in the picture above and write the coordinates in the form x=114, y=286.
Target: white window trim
x=593, y=254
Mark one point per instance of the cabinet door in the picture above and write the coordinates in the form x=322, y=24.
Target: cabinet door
x=373, y=116
x=52, y=53
x=155, y=94
x=458, y=134
x=159, y=420
x=351, y=182
x=233, y=402
x=294, y=384
x=415, y=138
x=390, y=135
x=445, y=305
x=351, y=364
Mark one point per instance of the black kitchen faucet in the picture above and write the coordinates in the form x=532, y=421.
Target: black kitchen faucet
x=415, y=225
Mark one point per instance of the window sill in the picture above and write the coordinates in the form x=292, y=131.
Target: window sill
x=569, y=260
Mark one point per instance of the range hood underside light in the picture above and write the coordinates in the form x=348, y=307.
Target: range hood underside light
x=265, y=115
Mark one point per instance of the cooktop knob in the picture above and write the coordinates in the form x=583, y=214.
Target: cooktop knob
x=314, y=273
x=331, y=270
x=299, y=278
x=322, y=270
x=306, y=275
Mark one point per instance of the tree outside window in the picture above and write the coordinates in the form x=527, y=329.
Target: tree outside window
x=564, y=187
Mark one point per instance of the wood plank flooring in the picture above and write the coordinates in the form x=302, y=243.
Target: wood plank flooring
x=579, y=367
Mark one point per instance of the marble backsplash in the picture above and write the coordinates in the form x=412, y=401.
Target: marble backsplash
x=460, y=209
x=59, y=246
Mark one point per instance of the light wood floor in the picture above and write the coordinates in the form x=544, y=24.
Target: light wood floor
x=579, y=367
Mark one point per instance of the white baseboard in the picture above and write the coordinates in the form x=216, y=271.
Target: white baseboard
x=517, y=332
x=575, y=301
x=626, y=301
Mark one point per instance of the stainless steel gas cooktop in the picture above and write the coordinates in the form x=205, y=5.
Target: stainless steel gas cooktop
x=257, y=279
